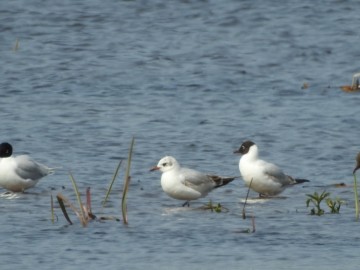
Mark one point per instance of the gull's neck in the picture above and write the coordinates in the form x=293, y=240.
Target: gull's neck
x=253, y=153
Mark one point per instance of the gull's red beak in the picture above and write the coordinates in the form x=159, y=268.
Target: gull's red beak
x=154, y=168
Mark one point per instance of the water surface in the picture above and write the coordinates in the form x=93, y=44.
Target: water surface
x=192, y=79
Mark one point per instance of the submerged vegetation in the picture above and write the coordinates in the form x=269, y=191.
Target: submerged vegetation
x=83, y=218
x=315, y=199
x=126, y=183
x=111, y=183
x=214, y=207
x=334, y=205
x=84, y=211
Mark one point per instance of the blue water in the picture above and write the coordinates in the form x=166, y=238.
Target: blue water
x=192, y=79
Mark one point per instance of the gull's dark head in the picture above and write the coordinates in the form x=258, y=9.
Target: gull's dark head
x=244, y=148
x=5, y=150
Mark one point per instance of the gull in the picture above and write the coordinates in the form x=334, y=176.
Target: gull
x=186, y=184
x=21, y=172
x=263, y=177
x=355, y=86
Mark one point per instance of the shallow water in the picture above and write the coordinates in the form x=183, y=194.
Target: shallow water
x=192, y=79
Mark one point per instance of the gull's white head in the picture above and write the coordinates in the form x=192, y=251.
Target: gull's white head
x=166, y=164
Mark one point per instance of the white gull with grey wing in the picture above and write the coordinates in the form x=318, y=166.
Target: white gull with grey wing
x=265, y=178
x=186, y=184
x=21, y=172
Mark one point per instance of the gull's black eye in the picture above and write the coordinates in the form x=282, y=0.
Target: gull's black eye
x=164, y=164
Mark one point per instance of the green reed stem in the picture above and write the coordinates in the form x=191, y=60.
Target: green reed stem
x=52, y=208
x=126, y=183
x=111, y=183
x=356, y=199
x=83, y=217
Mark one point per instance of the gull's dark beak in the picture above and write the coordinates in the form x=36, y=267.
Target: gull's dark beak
x=237, y=151
x=154, y=168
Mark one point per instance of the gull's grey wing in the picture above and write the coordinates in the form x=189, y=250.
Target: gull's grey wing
x=194, y=178
x=275, y=173
x=29, y=169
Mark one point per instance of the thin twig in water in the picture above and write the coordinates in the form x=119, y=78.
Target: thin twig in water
x=253, y=223
x=247, y=195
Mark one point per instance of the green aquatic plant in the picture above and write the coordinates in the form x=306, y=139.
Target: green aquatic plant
x=334, y=205
x=111, y=183
x=86, y=216
x=217, y=207
x=356, y=198
x=84, y=211
x=355, y=187
x=316, y=200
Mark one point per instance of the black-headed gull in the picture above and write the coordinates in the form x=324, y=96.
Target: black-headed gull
x=186, y=184
x=20, y=172
x=266, y=178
